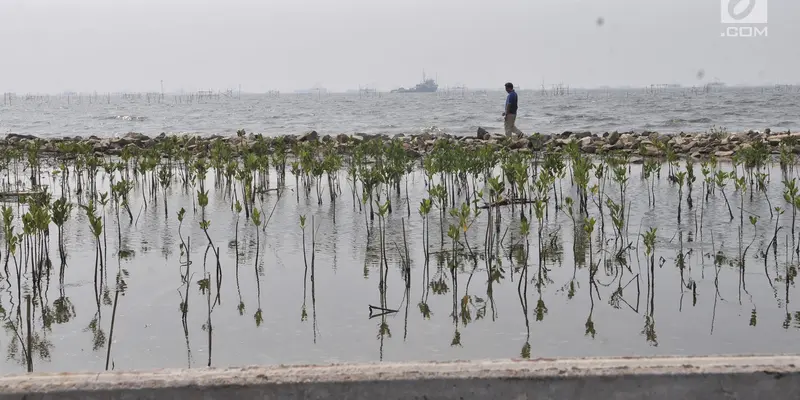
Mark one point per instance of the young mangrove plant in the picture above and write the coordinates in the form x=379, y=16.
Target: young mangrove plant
x=690, y=179
x=202, y=200
x=720, y=179
x=61, y=211
x=791, y=194
x=96, y=227
x=680, y=177
x=424, y=211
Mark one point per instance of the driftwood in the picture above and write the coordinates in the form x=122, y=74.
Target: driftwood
x=380, y=311
x=16, y=196
x=506, y=202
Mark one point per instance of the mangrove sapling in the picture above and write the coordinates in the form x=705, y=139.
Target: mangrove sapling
x=742, y=282
x=116, y=197
x=571, y=214
x=424, y=211
x=774, y=241
x=8, y=232
x=720, y=178
x=96, y=227
x=706, y=167
x=680, y=177
x=650, y=167
x=463, y=215
x=650, y=243
x=540, y=204
x=621, y=178
x=496, y=189
x=183, y=245
x=791, y=194
x=313, y=279
x=383, y=210
x=690, y=179
x=761, y=185
x=581, y=167
x=303, y=313
x=787, y=157
x=61, y=212
x=165, y=179
x=406, y=263
x=588, y=227
x=439, y=194
x=119, y=285
x=454, y=234
x=202, y=200
x=256, y=218
x=104, y=201
x=121, y=190
x=296, y=172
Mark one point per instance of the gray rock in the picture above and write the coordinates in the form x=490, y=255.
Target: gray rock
x=628, y=141
x=613, y=138
x=482, y=133
x=136, y=136
x=311, y=136
x=15, y=137
x=519, y=144
x=723, y=153
x=648, y=150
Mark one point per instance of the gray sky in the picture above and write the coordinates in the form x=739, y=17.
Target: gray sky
x=113, y=45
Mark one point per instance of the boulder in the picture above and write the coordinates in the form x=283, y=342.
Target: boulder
x=723, y=153
x=588, y=145
x=519, y=144
x=16, y=137
x=613, y=138
x=628, y=141
x=482, y=133
x=310, y=136
x=649, y=150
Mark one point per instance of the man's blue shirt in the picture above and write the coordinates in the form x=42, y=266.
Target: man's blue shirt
x=511, y=102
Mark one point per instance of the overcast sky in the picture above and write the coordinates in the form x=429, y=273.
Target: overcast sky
x=115, y=45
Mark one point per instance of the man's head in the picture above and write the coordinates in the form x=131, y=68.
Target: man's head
x=509, y=86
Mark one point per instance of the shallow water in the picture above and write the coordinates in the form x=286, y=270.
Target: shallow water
x=600, y=110
x=665, y=317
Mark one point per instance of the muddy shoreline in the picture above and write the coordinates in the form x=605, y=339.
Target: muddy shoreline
x=718, y=144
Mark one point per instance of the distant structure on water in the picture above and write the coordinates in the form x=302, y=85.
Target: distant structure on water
x=311, y=91
x=426, y=86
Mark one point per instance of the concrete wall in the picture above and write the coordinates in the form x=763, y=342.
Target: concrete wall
x=707, y=378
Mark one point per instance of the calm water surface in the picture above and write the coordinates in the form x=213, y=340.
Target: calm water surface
x=665, y=111
x=269, y=312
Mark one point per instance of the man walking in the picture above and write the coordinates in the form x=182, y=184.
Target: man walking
x=510, y=112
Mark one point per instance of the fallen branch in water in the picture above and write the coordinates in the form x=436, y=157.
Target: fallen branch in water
x=506, y=202
x=381, y=311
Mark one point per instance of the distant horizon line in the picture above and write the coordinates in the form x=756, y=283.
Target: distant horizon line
x=235, y=92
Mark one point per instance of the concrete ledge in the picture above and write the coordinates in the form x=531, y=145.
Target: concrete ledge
x=740, y=377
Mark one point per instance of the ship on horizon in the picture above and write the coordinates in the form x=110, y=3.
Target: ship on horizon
x=426, y=86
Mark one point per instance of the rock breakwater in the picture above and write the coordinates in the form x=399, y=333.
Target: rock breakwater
x=639, y=144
